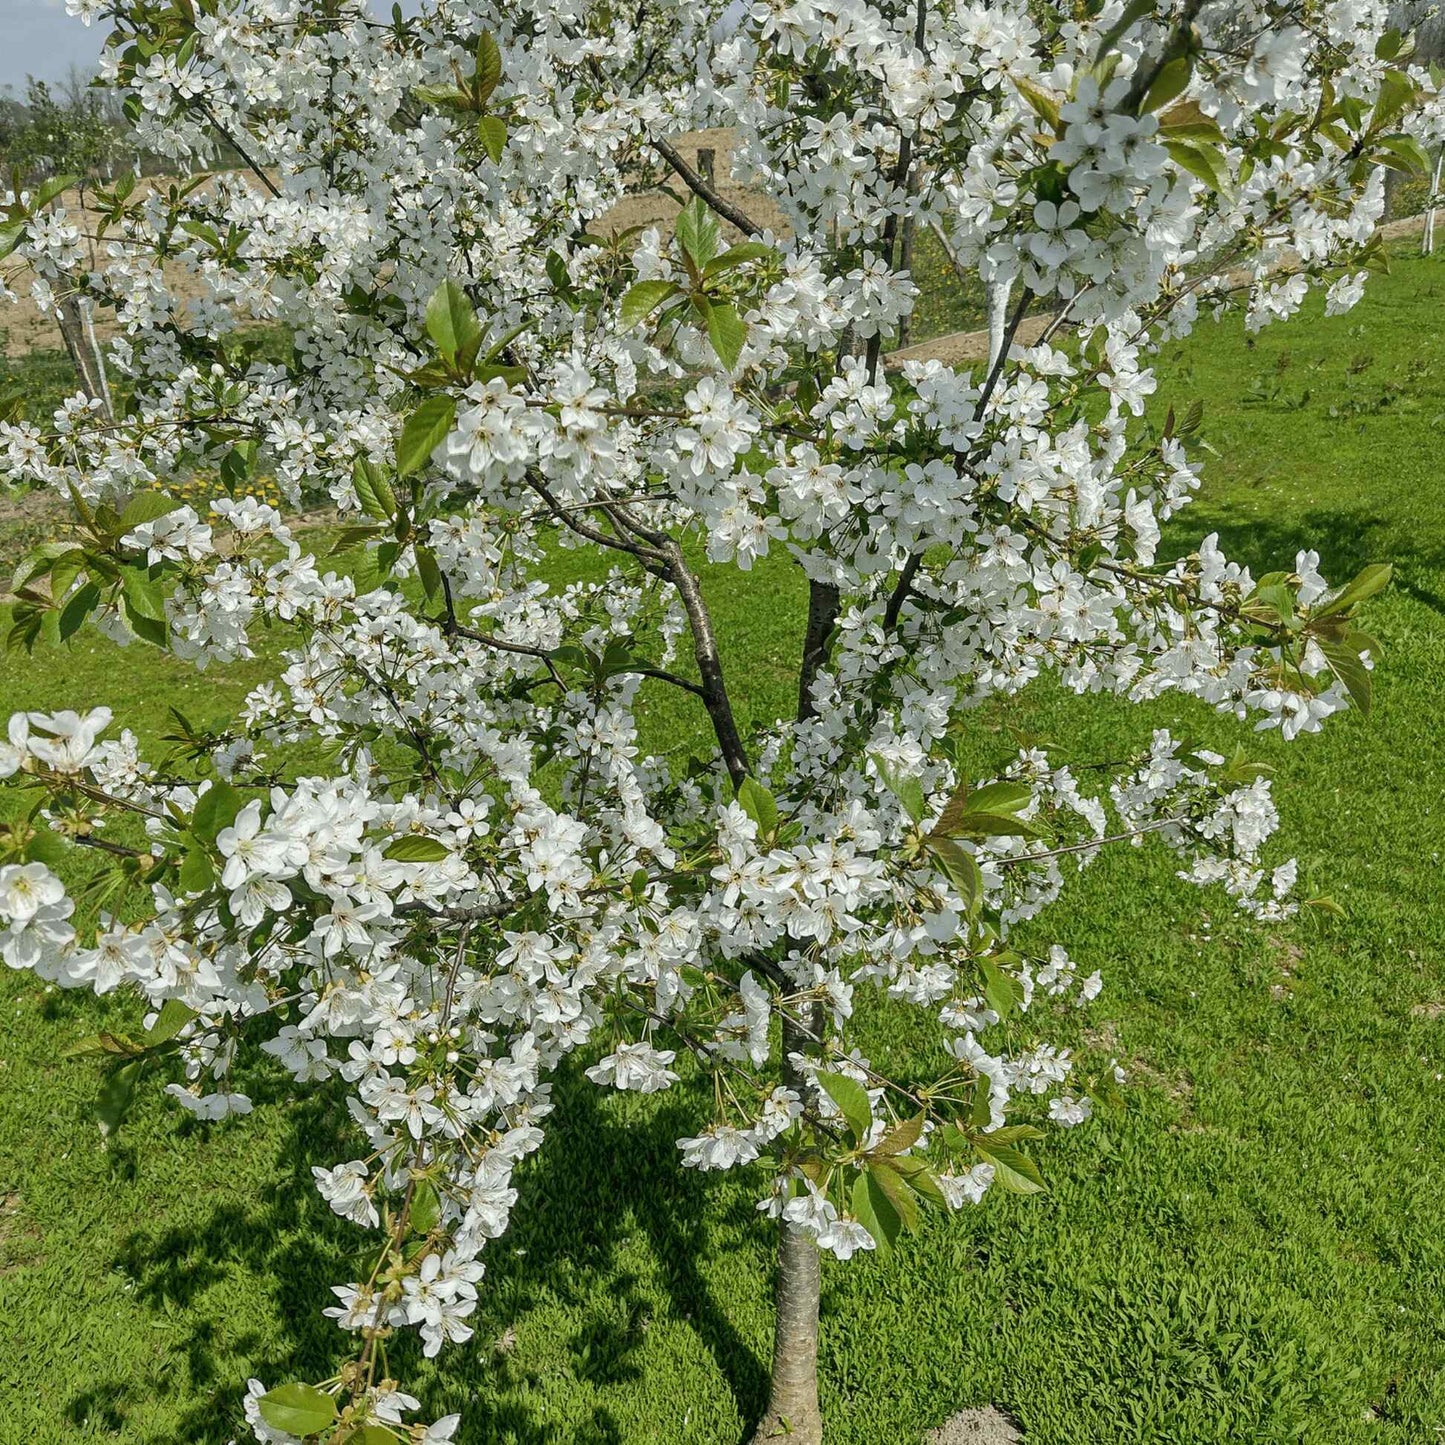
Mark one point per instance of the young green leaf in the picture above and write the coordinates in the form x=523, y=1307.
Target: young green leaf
x=1015, y=1171
x=426, y=1208
x=961, y=869
x=1367, y=583
x=727, y=331
x=297, y=1409
x=492, y=132
x=489, y=67
x=644, y=298
x=116, y=1095
x=216, y=808
x=736, y=256
x=372, y=489
x=901, y=1136
x=451, y=320
x=698, y=232
x=415, y=848
x=424, y=431
x=760, y=805
x=852, y=1099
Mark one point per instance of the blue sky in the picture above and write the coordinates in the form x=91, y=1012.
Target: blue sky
x=38, y=38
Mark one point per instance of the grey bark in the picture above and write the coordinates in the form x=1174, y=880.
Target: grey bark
x=793, y=1414
x=77, y=330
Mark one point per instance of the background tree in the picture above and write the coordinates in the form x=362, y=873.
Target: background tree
x=470, y=873
x=76, y=137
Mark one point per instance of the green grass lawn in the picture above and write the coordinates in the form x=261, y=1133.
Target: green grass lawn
x=1250, y=1250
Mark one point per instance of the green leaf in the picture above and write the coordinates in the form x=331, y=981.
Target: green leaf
x=75, y=611
x=148, y=629
x=1002, y=991
x=372, y=489
x=737, y=256
x=41, y=559
x=920, y=1179
x=875, y=1212
x=961, y=869
x=426, y=1208
x=297, y=1409
x=1367, y=583
x=45, y=846
x=1135, y=10
x=1397, y=92
x=1014, y=1170
x=760, y=805
x=1201, y=160
x=173, y=1017
x=451, y=320
x=1403, y=153
x=1388, y=46
x=852, y=1098
x=906, y=788
x=1346, y=665
x=430, y=572
x=990, y=811
x=424, y=431
x=146, y=507
x=415, y=848
x=1004, y=796
x=492, y=132
x=1171, y=80
x=1186, y=121
x=881, y=1172
x=901, y=1136
x=116, y=1095
x=216, y=808
x=146, y=597
x=981, y=1105
x=644, y=298
x=489, y=67
x=444, y=95
x=698, y=232
x=1043, y=103
x=727, y=331
x=197, y=872
x=48, y=191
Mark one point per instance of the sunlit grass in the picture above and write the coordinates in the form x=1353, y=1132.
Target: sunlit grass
x=1250, y=1251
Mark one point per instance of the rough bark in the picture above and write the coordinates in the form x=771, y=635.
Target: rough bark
x=793, y=1414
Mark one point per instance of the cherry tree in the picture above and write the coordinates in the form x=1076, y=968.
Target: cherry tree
x=486, y=875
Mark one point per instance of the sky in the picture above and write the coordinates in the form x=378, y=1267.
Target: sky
x=38, y=38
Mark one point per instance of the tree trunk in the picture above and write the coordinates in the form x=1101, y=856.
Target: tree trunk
x=998, y=294
x=78, y=333
x=792, y=1412
x=905, y=323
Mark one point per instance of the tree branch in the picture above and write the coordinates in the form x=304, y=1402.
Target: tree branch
x=709, y=193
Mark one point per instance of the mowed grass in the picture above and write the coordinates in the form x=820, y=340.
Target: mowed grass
x=1249, y=1250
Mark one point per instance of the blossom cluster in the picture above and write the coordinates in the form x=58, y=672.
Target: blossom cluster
x=489, y=874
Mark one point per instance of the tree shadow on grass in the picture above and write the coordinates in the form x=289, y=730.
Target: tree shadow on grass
x=603, y=1203
x=1346, y=538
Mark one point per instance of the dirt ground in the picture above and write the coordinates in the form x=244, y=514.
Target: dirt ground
x=23, y=328
x=985, y=1426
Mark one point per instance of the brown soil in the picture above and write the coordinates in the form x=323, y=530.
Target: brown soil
x=24, y=329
